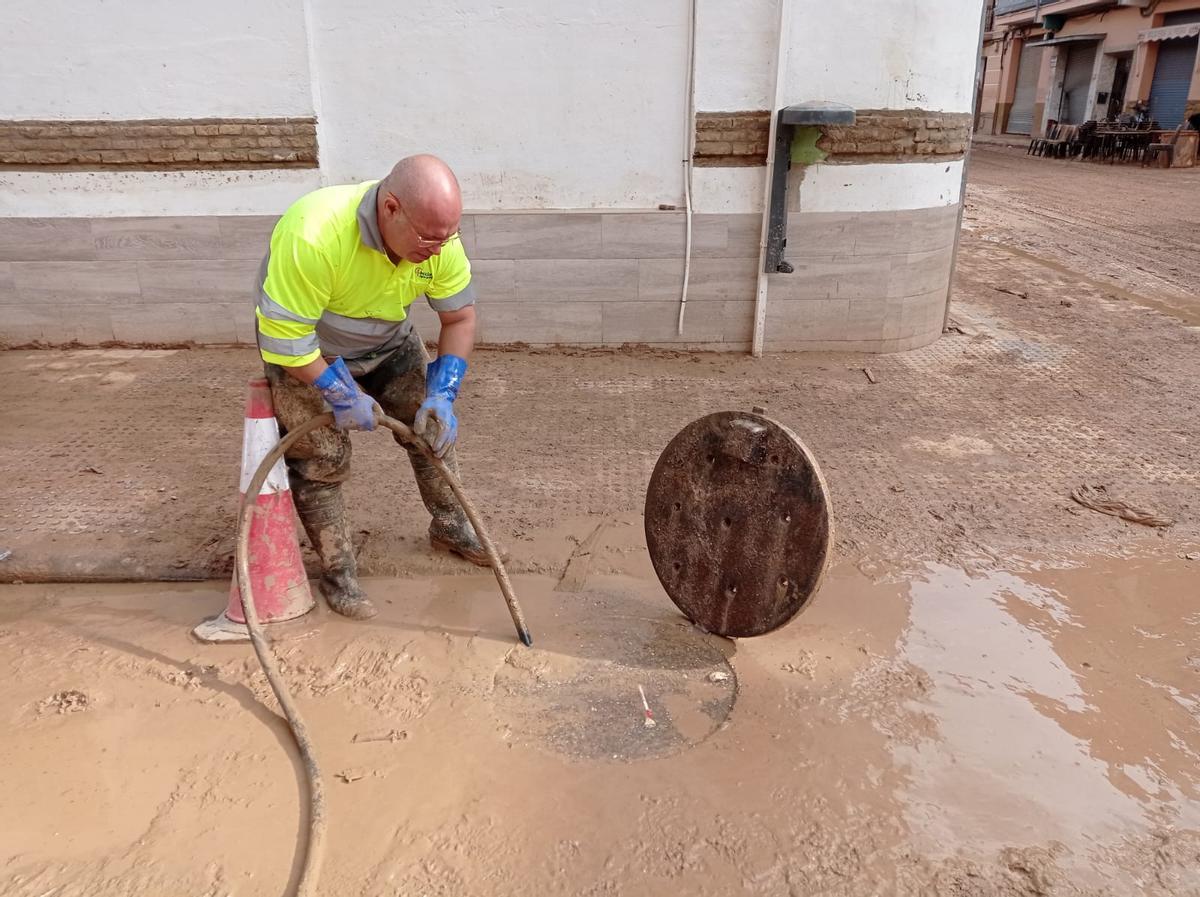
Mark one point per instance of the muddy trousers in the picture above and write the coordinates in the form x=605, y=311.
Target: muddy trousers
x=319, y=463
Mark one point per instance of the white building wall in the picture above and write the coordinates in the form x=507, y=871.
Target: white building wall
x=541, y=105
x=536, y=105
x=117, y=194
x=735, y=54
x=890, y=54
x=880, y=187
x=138, y=59
x=145, y=59
x=872, y=54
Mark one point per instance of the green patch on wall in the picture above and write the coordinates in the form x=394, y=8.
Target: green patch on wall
x=804, y=146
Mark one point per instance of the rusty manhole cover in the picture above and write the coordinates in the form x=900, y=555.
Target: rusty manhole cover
x=737, y=523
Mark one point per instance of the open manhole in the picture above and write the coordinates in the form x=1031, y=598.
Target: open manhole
x=581, y=697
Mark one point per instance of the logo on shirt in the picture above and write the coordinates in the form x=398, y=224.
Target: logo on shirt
x=424, y=275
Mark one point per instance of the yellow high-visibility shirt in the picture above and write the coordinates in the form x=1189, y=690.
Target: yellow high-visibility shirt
x=327, y=286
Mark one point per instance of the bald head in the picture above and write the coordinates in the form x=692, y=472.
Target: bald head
x=419, y=202
x=425, y=184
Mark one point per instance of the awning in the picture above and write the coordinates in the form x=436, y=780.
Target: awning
x=1069, y=39
x=1170, y=32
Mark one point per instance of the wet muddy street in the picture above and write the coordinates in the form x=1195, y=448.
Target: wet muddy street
x=934, y=731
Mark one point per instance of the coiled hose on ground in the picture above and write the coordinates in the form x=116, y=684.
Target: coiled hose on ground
x=306, y=885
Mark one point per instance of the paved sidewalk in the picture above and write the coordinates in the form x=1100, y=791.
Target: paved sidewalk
x=124, y=463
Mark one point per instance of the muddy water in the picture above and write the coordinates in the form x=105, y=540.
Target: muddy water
x=940, y=732
x=1064, y=703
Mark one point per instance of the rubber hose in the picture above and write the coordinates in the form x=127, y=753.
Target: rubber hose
x=314, y=848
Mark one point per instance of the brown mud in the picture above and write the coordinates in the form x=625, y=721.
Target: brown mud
x=937, y=732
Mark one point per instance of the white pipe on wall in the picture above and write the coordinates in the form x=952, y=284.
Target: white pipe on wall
x=783, y=40
x=689, y=150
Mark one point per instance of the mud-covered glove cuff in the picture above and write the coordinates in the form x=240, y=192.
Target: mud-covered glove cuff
x=352, y=408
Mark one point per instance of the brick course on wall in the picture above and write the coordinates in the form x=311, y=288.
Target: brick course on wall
x=888, y=134
x=201, y=143
x=732, y=139
x=738, y=139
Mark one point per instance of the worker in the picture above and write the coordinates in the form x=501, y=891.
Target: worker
x=344, y=265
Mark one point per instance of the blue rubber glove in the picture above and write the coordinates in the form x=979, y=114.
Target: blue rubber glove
x=435, y=420
x=352, y=408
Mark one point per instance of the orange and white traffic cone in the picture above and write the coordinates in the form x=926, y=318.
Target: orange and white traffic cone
x=277, y=574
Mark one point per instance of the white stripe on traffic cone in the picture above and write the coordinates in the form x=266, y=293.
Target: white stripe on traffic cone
x=277, y=576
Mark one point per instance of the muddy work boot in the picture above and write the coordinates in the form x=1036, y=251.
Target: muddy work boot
x=460, y=538
x=450, y=530
x=323, y=514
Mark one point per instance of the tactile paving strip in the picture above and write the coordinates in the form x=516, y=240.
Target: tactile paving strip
x=975, y=441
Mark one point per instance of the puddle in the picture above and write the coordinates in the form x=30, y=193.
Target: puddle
x=1052, y=720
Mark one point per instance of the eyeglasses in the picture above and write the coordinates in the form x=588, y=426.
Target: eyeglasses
x=424, y=242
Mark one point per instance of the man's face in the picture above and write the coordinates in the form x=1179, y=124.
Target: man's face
x=415, y=234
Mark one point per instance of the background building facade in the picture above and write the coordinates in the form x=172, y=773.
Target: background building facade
x=1073, y=61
